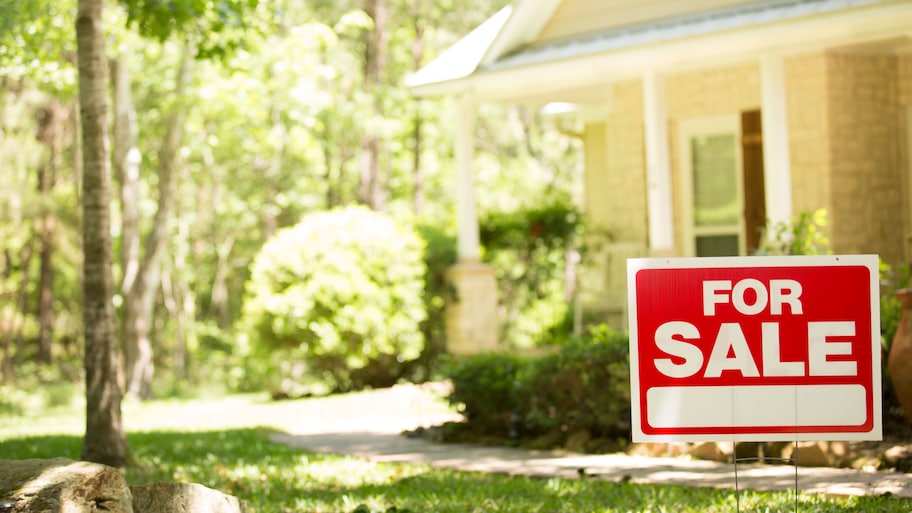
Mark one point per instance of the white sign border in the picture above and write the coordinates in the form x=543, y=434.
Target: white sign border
x=634, y=265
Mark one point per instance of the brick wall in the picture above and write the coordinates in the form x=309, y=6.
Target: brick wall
x=866, y=178
x=615, y=203
x=809, y=133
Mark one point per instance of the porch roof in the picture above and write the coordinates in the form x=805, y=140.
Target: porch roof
x=483, y=63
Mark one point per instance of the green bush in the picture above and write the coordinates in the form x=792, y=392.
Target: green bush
x=583, y=385
x=440, y=255
x=528, y=249
x=486, y=389
x=338, y=297
x=803, y=234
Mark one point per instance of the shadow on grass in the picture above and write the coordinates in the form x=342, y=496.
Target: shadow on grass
x=276, y=478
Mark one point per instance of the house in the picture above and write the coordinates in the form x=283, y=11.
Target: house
x=705, y=121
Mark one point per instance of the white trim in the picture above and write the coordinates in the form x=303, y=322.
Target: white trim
x=466, y=211
x=523, y=27
x=461, y=60
x=777, y=172
x=660, y=217
x=687, y=129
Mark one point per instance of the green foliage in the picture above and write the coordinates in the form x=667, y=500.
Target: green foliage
x=486, y=389
x=804, y=234
x=216, y=26
x=41, y=388
x=341, y=292
x=528, y=249
x=582, y=385
x=440, y=254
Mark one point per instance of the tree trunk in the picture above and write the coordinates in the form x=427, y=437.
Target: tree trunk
x=371, y=190
x=417, y=121
x=49, y=133
x=127, y=159
x=105, y=441
x=220, y=284
x=6, y=320
x=140, y=300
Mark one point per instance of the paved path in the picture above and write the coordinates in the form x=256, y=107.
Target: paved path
x=351, y=429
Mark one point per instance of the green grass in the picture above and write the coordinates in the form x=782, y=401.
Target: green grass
x=275, y=478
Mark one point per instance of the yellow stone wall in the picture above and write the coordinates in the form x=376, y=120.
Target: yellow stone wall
x=867, y=197
x=615, y=204
x=809, y=132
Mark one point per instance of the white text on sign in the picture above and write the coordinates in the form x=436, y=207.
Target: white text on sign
x=730, y=349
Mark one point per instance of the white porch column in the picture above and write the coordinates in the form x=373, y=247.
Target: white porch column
x=658, y=166
x=466, y=210
x=776, y=165
x=471, y=312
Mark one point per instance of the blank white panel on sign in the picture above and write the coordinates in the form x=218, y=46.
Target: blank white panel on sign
x=756, y=406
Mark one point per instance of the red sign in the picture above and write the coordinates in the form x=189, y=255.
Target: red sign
x=755, y=348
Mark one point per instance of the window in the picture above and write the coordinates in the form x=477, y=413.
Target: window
x=712, y=184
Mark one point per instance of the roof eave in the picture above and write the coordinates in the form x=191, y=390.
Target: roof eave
x=786, y=38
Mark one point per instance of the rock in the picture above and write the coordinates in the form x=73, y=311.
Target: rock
x=549, y=440
x=773, y=452
x=577, y=440
x=63, y=485
x=898, y=457
x=657, y=449
x=709, y=451
x=748, y=451
x=183, y=497
x=810, y=454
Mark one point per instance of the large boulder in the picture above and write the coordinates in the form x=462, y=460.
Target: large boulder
x=62, y=485
x=183, y=497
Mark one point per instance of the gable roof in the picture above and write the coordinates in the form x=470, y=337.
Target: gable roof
x=510, y=53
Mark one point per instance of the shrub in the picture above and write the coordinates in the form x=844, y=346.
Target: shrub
x=440, y=255
x=485, y=389
x=528, y=249
x=583, y=385
x=804, y=234
x=339, y=297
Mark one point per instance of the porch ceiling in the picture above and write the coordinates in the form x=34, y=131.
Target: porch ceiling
x=578, y=69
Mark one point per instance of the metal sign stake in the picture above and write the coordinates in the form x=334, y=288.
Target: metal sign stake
x=793, y=461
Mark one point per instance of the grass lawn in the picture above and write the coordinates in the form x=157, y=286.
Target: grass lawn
x=230, y=451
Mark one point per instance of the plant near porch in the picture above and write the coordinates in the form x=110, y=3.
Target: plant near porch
x=532, y=250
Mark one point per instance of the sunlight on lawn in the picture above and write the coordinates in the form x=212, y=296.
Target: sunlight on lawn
x=390, y=410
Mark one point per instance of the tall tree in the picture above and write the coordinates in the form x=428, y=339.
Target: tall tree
x=140, y=298
x=372, y=191
x=51, y=118
x=105, y=440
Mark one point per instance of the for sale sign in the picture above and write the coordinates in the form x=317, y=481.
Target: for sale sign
x=755, y=348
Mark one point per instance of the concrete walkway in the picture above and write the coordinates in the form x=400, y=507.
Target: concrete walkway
x=348, y=427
